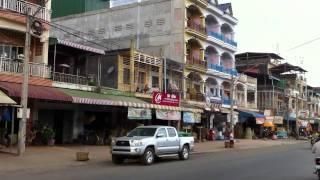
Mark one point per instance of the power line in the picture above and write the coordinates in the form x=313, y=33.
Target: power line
x=87, y=34
x=303, y=44
x=78, y=36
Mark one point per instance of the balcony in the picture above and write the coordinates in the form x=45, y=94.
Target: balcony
x=251, y=105
x=197, y=63
x=251, y=80
x=222, y=38
x=15, y=67
x=196, y=27
x=69, y=78
x=21, y=7
x=221, y=69
x=195, y=97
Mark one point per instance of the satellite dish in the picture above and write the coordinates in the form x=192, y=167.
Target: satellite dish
x=110, y=70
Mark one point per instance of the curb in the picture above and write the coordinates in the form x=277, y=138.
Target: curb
x=246, y=148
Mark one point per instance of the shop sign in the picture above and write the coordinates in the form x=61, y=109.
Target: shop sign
x=189, y=117
x=269, y=119
x=166, y=99
x=139, y=114
x=304, y=114
x=302, y=123
x=19, y=113
x=168, y=115
x=278, y=120
x=260, y=120
x=267, y=112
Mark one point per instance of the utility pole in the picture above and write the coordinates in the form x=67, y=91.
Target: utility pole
x=297, y=115
x=24, y=94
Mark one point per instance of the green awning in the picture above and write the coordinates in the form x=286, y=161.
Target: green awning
x=6, y=100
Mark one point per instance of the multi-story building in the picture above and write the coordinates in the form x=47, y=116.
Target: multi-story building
x=282, y=87
x=12, y=49
x=12, y=33
x=200, y=37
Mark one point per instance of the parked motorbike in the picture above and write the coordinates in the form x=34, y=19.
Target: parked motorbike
x=317, y=169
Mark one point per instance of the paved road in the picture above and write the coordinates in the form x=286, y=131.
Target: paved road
x=294, y=162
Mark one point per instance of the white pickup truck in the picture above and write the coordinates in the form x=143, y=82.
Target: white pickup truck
x=150, y=142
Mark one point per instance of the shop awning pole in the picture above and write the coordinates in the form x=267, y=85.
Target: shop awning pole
x=54, y=60
x=12, y=127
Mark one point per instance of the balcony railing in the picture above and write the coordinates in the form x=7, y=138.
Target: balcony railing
x=221, y=37
x=21, y=7
x=69, y=78
x=15, y=67
x=251, y=105
x=196, y=27
x=195, y=97
x=219, y=68
x=251, y=80
x=196, y=62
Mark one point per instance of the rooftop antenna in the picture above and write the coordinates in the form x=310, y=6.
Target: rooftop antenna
x=278, y=48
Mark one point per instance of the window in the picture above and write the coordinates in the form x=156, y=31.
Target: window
x=11, y=52
x=142, y=77
x=126, y=76
x=172, y=132
x=162, y=131
x=155, y=81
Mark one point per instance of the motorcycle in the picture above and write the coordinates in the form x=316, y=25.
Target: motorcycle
x=317, y=169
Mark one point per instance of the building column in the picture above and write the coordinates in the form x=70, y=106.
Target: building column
x=202, y=86
x=256, y=97
x=245, y=96
x=132, y=69
x=184, y=87
x=45, y=51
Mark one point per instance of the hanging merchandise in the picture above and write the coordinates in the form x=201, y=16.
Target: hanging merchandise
x=6, y=114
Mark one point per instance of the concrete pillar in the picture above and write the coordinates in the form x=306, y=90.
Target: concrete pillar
x=45, y=51
x=202, y=85
x=245, y=96
x=256, y=97
x=184, y=87
x=132, y=69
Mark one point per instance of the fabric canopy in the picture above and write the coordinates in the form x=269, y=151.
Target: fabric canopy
x=244, y=115
x=6, y=100
x=35, y=92
x=85, y=97
x=77, y=46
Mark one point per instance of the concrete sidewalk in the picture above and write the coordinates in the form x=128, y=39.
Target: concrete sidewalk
x=37, y=159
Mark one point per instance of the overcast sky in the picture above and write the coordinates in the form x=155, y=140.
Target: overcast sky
x=265, y=23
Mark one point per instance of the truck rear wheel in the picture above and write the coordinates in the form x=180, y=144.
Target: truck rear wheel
x=184, y=153
x=148, y=156
x=117, y=159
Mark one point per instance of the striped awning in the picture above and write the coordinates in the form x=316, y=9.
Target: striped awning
x=78, y=46
x=92, y=98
